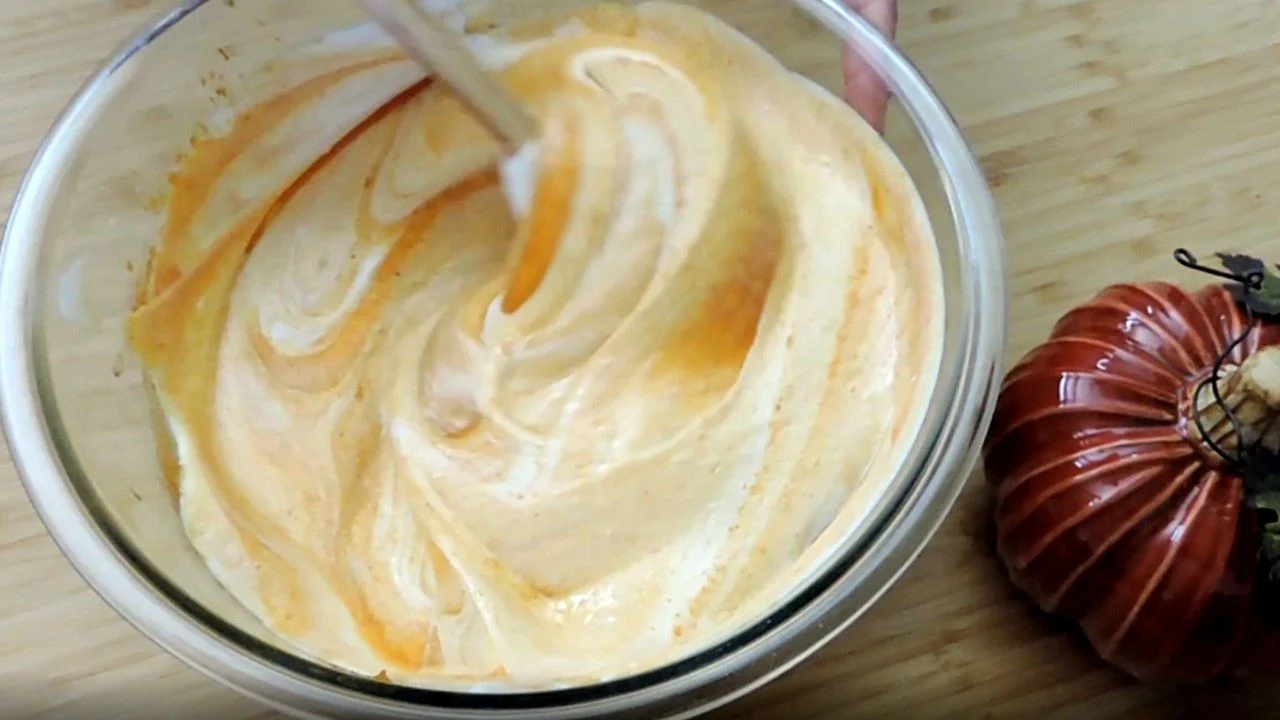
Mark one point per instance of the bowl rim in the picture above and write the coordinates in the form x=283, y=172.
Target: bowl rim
x=709, y=678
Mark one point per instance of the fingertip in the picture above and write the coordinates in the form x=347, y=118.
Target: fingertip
x=865, y=91
x=883, y=14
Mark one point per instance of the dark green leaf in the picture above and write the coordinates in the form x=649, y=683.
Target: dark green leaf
x=1262, y=304
x=1260, y=476
x=1270, y=542
x=1241, y=264
x=1263, y=301
x=1269, y=502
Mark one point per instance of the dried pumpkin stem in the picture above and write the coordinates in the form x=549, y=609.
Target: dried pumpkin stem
x=1250, y=393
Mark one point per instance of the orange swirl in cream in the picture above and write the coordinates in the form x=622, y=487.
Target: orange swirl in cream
x=551, y=423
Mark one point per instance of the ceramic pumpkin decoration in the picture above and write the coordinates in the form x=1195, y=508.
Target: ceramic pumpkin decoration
x=1134, y=461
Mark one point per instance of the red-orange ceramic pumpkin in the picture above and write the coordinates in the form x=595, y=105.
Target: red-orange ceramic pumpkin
x=1113, y=508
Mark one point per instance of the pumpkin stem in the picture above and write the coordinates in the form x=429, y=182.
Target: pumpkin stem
x=1251, y=395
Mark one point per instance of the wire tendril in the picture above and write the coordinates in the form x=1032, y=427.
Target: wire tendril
x=1244, y=458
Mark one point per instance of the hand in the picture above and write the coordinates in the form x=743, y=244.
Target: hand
x=863, y=88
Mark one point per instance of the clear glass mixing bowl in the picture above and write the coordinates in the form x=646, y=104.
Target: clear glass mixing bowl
x=78, y=419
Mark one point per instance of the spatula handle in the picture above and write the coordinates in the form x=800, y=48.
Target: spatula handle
x=442, y=51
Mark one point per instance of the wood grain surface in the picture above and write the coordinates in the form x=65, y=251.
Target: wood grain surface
x=1111, y=131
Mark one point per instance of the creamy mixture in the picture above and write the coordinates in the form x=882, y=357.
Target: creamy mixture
x=546, y=421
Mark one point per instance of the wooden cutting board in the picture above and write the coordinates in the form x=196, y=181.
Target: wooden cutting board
x=1111, y=131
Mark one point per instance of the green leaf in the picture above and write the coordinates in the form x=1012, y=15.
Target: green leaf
x=1270, y=290
x=1263, y=301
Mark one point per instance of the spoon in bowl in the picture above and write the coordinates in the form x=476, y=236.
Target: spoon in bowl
x=442, y=52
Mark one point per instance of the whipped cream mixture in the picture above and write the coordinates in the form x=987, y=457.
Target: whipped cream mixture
x=552, y=420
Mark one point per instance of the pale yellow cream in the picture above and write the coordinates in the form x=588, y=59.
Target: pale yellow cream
x=557, y=422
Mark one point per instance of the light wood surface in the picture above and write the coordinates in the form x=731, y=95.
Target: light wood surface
x=1111, y=130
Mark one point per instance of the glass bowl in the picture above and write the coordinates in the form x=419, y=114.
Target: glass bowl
x=79, y=422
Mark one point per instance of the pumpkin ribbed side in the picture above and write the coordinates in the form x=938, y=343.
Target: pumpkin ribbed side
x=1106, y=512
